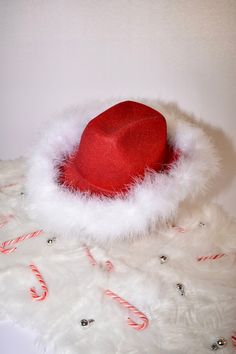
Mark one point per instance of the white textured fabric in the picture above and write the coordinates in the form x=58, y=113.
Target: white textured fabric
x=187, y=324
x=103, y=219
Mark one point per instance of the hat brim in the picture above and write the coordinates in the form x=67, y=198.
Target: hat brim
x=150, y=199
x=79, y=183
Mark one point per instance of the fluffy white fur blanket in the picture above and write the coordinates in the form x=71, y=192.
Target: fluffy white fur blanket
x=178, y=324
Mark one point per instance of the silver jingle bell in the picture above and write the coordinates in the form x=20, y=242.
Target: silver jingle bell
x=180, y=288
x=85, y=323
x=202, y=224
x=50, y=241
x=221, y=342
x=163, y=259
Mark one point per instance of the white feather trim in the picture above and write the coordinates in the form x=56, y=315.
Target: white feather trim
x=154, y=198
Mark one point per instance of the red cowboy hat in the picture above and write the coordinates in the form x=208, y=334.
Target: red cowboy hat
x=117, y=174
x=116, y=148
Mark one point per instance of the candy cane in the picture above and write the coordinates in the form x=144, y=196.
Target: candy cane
x=11, y=184
x=211, y=257
x=8, y=186
x=42, y=283
x=18, y=239
x=7, y=251
x=89, y=255
x=234, y=339
x=179, y=229
x=131, y=308
x=108, y=264
x=126, y=304
x=6, y=220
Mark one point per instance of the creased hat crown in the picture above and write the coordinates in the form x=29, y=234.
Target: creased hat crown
x=116, y=147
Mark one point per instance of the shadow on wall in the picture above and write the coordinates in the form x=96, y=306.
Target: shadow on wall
x=223, y=145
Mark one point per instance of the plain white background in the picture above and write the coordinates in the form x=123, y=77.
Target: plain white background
x=57, y=53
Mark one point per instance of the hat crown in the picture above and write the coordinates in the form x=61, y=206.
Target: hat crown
x=116, y=147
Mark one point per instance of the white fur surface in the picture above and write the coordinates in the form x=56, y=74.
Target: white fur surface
x=153, y=199
x=178, y=324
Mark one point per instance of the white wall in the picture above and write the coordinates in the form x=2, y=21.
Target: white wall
x=55, y=53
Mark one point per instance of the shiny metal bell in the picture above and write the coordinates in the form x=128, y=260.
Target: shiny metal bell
x=221, y=342
x=85, y=323
x=180, y=288
x=202, y=224
x=50, y=241
x=163, y=259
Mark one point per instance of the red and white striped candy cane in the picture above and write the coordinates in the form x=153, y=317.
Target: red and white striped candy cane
x=8, y=186
x=179, y=229
x=7, y=251
x=108, y=264
x=89, y=255
x=211, y=257
x=234, y=340
x=131, y=308
x=5, y=220
x=16, y=240
x=5, y=186
x=33, y=292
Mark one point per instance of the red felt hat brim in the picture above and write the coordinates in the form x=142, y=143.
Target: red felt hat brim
x=81, y=184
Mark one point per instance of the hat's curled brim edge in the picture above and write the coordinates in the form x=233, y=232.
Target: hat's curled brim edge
x=154, y=198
